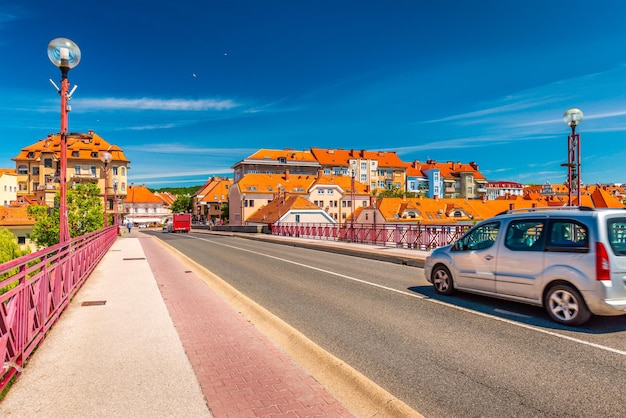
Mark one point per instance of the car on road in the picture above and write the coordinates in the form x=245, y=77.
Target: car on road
x=570, y=260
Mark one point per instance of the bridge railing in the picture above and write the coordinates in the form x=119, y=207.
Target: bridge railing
x=419, y=237
x=36, y=289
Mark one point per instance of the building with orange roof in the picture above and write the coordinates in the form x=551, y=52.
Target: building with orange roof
x=270, y=161
x=497, y=189
x=289, y=209
x=8, y=186
x=379, y=170
x=254, y=191
x=446, y=211
x=209, y=200
x=15, y=218
x=143, y=208
x=38, y=167
x=335, y=195
x=449, y=180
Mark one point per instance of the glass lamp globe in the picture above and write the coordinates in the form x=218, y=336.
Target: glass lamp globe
x=106, y=157
x=63, y=53
x=573, y=117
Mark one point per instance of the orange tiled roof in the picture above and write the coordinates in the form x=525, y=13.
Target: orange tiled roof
x=15, y=216
x=442, y=211
x=141, y=194
x=344, y=182
x=447, y=170
x=219, y=187
x=287, y=154
x=341, y=157
x=166, y=197
x=269, y=183
x=10, y=171
x=272, y=212
x=603, y=199
x=76, y=148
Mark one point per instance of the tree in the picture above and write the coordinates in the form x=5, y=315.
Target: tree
x=84, y=215
x=9, y=249
x=182, y=204
x=393, y=192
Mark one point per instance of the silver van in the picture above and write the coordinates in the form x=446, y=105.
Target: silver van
x=570, y=260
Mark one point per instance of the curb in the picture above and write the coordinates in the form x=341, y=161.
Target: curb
x=354, y=390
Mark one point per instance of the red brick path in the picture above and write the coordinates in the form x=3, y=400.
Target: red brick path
x=241, y=373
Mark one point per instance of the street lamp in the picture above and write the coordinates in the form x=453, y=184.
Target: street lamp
x=106, y=157
x=352, y=199
x=573, y=117
x=65, y=54
x=115, y=220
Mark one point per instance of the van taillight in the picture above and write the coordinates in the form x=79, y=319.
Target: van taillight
x=603, y=268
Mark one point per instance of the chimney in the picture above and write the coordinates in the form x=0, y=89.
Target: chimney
x=511, y=206
x=285, y=196
x=320, y=173
x=286, y=174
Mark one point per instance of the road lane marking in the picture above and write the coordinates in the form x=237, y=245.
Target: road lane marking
x=426, y=298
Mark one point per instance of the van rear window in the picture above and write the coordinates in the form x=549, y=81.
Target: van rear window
x=616, y=230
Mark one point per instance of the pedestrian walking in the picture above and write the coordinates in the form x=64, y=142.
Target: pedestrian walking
x=129, y=226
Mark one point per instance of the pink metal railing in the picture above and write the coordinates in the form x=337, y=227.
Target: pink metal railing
x=420, y=237
x=37, y=289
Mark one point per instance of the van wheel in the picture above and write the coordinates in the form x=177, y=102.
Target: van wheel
x=566, y=306
x=442, y=280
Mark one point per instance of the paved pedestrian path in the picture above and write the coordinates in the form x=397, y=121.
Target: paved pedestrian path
x=120, y=359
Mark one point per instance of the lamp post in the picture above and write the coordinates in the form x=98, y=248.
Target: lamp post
x=106, y=157
x=572, y=118
x=115, y=204
x=352, y=201
x=65, y=54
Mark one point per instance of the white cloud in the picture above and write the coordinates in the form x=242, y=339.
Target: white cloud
x=113, y=103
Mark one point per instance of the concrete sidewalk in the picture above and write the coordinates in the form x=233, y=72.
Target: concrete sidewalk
x=120, y=359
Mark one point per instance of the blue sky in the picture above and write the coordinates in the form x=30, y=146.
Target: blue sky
x=189, y=88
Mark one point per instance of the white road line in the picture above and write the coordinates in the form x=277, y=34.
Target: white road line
x=426, y=298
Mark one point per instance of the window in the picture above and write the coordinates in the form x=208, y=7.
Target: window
x=616, y=231
x=21, y=240
x=75, y=154
x=47, y=162
x=320, y=191
x=568, y=236
x=93, y=170
x=282, y=160
x=36, y=170
x=94, y=154
x=22, y=169
x=123, y=171
x=327, y=171
x=297, y=218
x=363, y=178
x=330, y=191
x=479, y=238
x=30, y=155
x=115, y=170
x=77, y=170
x=525, y=235
x=363, y=165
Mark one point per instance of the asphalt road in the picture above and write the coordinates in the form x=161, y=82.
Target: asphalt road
x=455, y=356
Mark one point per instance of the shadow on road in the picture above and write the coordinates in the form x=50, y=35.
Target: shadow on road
x=522, y=313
